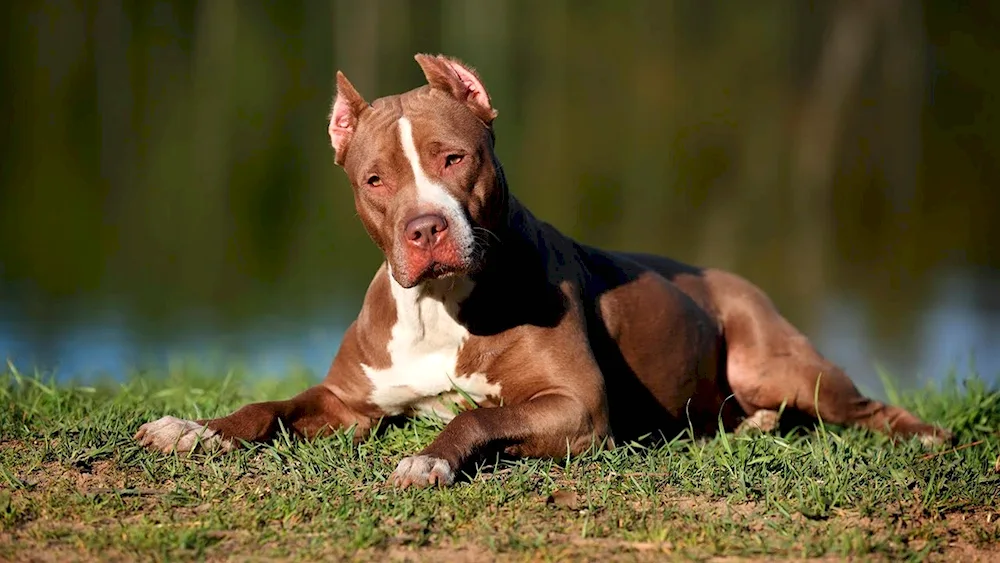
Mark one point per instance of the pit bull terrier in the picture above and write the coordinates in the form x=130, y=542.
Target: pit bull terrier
x=560, y=346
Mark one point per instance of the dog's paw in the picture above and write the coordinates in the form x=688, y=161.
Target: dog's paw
x=422, y=471
x=935, y=437
x=170, y=434
x=764, y=421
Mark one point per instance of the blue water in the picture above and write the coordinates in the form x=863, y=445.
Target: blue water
x=952, y=334
x=108, y=349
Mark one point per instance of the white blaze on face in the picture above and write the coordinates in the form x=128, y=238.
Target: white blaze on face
x=434, y=195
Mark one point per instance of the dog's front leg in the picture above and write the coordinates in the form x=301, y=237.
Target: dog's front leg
x=545, y=426
x=312, y=412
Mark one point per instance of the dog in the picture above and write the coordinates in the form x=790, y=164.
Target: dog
x=524, y=341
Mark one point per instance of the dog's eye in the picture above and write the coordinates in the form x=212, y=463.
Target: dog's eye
x=452, y=160
x=374, y=181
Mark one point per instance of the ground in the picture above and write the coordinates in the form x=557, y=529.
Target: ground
x=74, y=486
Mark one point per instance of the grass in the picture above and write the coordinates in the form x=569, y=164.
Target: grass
x=74, y=486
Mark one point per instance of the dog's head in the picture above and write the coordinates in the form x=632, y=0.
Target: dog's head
x=426, y=182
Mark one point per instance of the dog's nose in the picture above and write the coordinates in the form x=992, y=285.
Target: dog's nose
x=426, y=231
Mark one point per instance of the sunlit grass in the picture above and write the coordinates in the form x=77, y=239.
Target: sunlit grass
x=73, y=484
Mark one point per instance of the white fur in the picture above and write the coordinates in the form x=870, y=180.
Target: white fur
x=930, y=441
x=169, y=434
x=421, y=471
x=423, y=351
x=433, y=193
x=763, y=420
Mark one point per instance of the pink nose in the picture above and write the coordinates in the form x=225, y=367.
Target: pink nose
x=426, y=231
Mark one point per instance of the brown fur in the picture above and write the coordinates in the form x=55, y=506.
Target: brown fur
x=590, y=346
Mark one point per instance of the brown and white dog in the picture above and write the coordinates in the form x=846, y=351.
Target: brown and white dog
x=562, y=346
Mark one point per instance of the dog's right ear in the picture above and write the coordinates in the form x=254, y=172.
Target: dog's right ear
x=347, y=108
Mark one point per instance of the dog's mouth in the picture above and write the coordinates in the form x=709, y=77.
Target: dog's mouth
x=452, y=255
x=438, y=270
x=434, y=270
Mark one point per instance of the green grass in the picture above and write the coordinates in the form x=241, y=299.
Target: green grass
x=73, y=485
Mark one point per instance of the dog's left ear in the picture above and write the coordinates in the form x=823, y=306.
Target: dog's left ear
x=459, y=80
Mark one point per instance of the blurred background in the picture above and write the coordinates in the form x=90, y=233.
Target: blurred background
x=167, y=187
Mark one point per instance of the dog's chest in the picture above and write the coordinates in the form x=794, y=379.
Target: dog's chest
x=424, y=347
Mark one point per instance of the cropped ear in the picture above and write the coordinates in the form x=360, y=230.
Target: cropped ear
x=459, y=80
x=347, y=108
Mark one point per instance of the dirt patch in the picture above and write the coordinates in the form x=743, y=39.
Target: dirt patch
x=109, y=511
x=60, y=554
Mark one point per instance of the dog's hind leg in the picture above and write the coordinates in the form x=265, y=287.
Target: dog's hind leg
x=770, y=364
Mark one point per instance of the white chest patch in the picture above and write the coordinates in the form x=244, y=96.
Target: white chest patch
x=423, y=351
